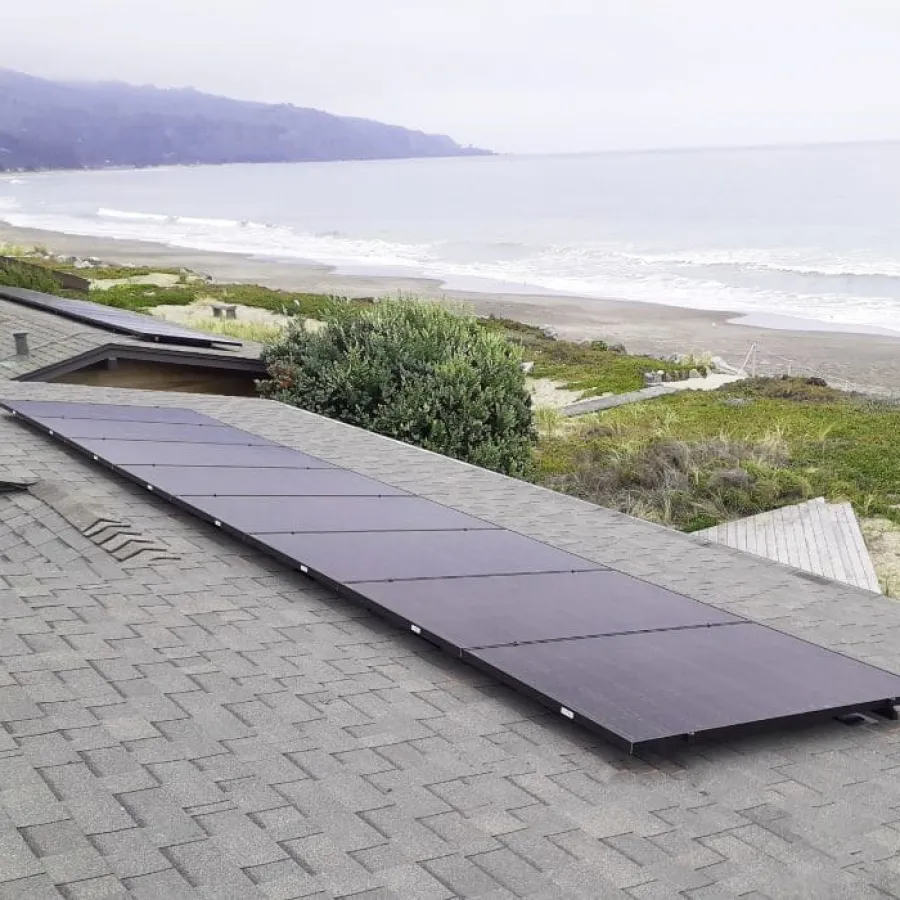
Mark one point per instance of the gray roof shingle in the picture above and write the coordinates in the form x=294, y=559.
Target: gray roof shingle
x=210, y=724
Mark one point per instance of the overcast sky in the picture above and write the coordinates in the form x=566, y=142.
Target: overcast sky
x=513, y=75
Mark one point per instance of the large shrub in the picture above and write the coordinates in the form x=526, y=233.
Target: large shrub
x=413, y=371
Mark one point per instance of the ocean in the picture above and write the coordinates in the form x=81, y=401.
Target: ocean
x=805, y=232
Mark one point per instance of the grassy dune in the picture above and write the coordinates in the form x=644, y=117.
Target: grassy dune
x=695, y=459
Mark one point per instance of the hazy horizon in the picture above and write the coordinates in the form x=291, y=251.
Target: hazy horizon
x=518, y=77
x=530, y=154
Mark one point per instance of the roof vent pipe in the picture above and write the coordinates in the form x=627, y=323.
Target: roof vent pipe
x=21, y=339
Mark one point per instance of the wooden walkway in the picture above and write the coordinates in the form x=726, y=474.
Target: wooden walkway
x=818, y=537
x=598, y=404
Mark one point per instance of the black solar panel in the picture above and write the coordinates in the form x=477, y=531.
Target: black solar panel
x=394, y=556
x=159, y=432
x=634, y=661
x=248, y=481
x=663, y=684
x=266, y=515
x=49, y=409
x=151, y=453
x=481, y=612
x=121, y=321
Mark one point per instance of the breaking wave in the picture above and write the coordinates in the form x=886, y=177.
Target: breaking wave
x=859, y=289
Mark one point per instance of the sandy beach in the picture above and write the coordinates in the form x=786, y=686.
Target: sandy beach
x=866, y=361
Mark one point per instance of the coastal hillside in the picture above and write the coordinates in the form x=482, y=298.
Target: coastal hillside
x=51, y=125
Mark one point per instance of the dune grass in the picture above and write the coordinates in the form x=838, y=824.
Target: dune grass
x=16, y=250
x=695, y=459
x=140, y=297
x=21, y=272
x=594, y=367
x=189, y=288
x=103, y=273
x=242, y=331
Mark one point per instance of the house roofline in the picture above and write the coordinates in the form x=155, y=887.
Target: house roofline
x=142, y=353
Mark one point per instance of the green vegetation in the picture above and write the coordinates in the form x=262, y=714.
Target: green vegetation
x=243, y=331
x=412, y=371
x=595, y=368
x=694, y=459
x=104, y=273
x=190, y=288
x=23, y=274
x=15, y=250
x=140, y=297
x=40, y=256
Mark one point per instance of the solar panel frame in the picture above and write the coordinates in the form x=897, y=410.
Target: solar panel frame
x=120, y=321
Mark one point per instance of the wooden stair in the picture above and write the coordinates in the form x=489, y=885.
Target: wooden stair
x=816, y=537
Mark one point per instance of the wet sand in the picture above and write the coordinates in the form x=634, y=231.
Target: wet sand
x=865, y=361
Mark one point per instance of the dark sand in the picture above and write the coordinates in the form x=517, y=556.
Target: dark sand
x=870, y=362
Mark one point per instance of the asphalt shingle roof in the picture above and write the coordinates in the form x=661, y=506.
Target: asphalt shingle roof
x=201, y=722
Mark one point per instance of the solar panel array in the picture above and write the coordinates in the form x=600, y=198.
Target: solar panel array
x=636, y=662
x=120, y=321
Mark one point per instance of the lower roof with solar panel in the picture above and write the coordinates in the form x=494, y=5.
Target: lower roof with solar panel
x=110, y=318
x=636, y=662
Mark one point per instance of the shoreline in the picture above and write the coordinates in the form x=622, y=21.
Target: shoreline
x=867, y=361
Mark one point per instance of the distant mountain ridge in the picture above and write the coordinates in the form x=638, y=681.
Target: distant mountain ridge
x=55, y=125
